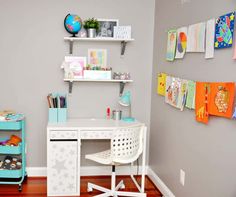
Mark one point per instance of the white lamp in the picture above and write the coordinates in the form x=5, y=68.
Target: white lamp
x=125, y=100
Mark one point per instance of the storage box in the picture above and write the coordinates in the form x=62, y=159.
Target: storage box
x=97, y=74
x=62, y=115
x=52, y=115
x=57, y=115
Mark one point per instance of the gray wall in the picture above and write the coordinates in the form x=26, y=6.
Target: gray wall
x=32, y=49
x=177, y=141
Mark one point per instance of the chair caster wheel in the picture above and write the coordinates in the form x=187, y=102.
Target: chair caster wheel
x=89, y=189
x=20, y=188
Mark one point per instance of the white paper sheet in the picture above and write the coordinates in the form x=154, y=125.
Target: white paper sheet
x=196, y=37
x=181, y=42
x=234, y=57
x=210, y=38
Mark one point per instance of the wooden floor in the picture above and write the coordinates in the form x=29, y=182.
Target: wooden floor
x=37, y=187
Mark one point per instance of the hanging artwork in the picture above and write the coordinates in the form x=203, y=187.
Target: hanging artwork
x=161, y=84
x=171, y=45
x=191, y=90
x=224, y=30
x=234, y=115
x=176, y=92
x=234, y=56
x=222, y=98
x=202, y=101
x=196, y=37
x=181, y=42
x=210, y=37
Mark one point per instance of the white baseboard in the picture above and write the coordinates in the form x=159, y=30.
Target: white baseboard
x=159, y=183
x=88, y=171
x=106, y=170
x=36, y=171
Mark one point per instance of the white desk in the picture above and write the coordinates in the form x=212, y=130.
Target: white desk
x=63, y=151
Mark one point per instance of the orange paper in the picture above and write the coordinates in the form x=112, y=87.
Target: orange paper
x=221, y=100
x=202, y=101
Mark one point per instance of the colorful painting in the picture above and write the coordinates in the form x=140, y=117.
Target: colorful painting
x=202, y=101
x=196, y=37
x=97, y=57
x=161, y=84
x=171, y=45
x=224, y=30
x=222, y=98
x=175, y=94
x=191, y=90
x=210, y=38
x=181, y=42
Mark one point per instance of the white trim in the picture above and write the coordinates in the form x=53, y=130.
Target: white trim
x=159, y=183
x=88, y=171
x=36, y=171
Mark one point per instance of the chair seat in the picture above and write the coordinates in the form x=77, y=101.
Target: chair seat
x=103, y=157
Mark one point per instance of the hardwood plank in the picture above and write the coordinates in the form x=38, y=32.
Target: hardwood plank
x=37, y=186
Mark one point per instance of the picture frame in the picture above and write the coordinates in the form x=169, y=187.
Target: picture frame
x=75, y=66
x=106, y=27
x=97, y=57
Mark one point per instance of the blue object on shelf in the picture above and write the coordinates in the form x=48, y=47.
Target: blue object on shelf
x=128, y=119
x=62, y=115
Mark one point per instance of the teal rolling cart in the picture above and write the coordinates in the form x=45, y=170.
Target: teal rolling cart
x=15, y=176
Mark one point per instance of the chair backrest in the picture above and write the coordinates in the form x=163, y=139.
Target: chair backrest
x=127, y=144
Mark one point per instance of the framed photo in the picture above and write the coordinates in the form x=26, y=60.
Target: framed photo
x=106, y=27
x=76, y=67
x=97, y=57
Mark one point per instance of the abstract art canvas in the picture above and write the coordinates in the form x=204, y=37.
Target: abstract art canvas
x=224, y=31
x=181, y=42
x=171, y=45
x=196, y=37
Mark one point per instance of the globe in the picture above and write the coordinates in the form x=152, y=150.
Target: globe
x=73, y=24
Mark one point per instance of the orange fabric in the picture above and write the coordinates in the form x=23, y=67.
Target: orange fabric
x=222, y=98
x=202, y=101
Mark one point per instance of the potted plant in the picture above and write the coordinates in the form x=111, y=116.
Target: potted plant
x=91, y=25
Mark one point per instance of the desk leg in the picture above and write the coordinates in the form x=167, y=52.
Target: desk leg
x=78, y=164
x=144, y=159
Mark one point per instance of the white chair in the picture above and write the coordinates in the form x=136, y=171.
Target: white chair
x=126, y=147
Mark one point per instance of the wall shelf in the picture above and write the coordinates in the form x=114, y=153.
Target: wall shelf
x=123, y=42
x=122, y=82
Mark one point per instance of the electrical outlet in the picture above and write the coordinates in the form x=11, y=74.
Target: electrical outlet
x=182, y=177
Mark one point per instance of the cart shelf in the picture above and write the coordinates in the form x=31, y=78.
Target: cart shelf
x=8, y=125
x=11, y=173
x=11, y=150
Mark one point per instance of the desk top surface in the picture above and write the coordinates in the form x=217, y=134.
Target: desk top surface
x=92, y=123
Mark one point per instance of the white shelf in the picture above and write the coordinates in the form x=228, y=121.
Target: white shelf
x=123, y=42
x=120, y=81
x=99, y=80
x=102, y=39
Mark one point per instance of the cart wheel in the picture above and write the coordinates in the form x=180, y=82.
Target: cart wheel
x=26, y=177
x=20, y=188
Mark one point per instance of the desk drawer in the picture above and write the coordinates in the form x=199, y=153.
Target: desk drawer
x=63, y=134
x=96, y=134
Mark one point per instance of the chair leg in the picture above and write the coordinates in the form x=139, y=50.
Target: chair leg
x=92, y=186
x=120, y=185
x=133, y=194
